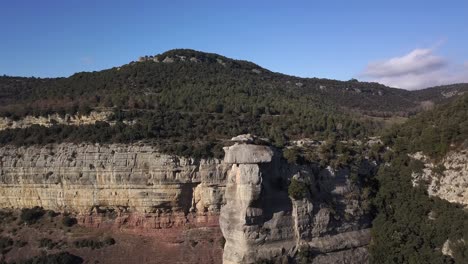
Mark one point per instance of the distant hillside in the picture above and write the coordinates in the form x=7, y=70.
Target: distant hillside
x=187, y=97
x=412, y=227
x=433, y=132
x=137, y=84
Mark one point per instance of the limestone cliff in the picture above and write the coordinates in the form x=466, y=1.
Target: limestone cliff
x=261, y=222
x=110, y=178
x=256, y=221
x=447, y=179
x=47, y=121
x=140, y=187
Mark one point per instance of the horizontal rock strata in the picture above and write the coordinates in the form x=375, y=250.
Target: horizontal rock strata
x=111, y=178
x=245, y=194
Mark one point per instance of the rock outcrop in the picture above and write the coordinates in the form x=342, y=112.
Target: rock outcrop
x=137, y=186
x=261, y=222
x=447, y=179
x=447, y=248
x=256, y=221
x=113, y=178
x=47, y=121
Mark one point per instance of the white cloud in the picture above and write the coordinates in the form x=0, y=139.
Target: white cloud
x=418, y=69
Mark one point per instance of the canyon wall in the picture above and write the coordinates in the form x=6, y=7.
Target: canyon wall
x=137, y=186
x=260, y=221
x=448, y=178
x=87, y=179
x=48, y=121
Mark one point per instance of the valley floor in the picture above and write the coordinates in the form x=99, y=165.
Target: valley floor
x=196, y=245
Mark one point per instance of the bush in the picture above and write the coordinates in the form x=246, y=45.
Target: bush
x=439, y=169
x=304, y=255
x=58, y=258
x=5, y=242
x=47, y=243
x=31, y=215
x=109, y=241
x=21, y=243
x=52, y=213
x=292, y=155
x=94, y=244
x=6, y=217
x=297, y=189
x=69, y=221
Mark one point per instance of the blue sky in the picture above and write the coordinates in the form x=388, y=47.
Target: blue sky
x=328, y=39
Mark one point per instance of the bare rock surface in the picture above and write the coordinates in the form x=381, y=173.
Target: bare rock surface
x=134, y=178
x=247, y=154
x=261, y=222
x=143, y=188
x=73, y=120
x=448, y=179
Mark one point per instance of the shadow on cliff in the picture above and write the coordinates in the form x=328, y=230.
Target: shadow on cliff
x=275, y=199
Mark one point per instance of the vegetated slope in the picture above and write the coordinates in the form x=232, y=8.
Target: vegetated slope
x=433, y=132
x=187, y=101
x=148, y=83
x=412, y=227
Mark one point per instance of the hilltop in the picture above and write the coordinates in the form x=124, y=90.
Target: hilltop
x=186, y=97
x=182, y=68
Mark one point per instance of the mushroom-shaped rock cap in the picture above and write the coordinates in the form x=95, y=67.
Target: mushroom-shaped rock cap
x=245, y=138
x=247, y=154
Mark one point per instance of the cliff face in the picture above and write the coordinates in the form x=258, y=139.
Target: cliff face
x=448, y=179
x=112, y=178
x=257, y=220
x=261, y=222
x=138, y=186
x=47, y=121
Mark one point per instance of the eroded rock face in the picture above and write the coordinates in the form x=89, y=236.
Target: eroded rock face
x=47, y=121
x=447, y=248
x=261, y=222
x=118, y=178
x=247, y=154
x=247, y=191
x=256, y=220
x=447, y=180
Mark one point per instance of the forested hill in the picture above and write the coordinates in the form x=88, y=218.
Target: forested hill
x=189, y=101
x=195, y=81
x=412, y=227
x=433, y=132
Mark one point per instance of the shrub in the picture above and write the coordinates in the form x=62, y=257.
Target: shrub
x=292, y=155
x=439, y=169
x=51, y=213
x=416, y=166
x=58, y=258
x=5, y=242
x=31, y=215
x=47, y=243
x=297, y=189
x=69, y=221
x=21, y=243
x=94, y=244
x=6, y=217
x=304, y=255
x=109, y=241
